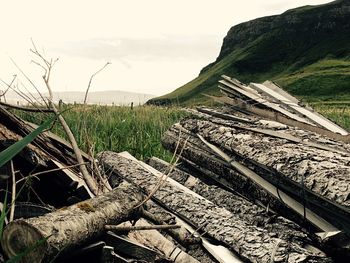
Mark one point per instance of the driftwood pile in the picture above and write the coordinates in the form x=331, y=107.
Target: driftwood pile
x=263, y=179
x=265, y=149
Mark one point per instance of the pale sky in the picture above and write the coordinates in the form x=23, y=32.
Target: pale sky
x=155, y=46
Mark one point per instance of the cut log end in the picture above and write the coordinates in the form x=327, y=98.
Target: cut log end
x=21, y=237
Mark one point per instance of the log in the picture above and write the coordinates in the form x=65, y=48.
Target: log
x=185, y=236
x=194, y=154
x=274, y=129
x=244, y=209
x=69, y=227
x=197, y=155
x=242, y=106
x=320, y=175
x=252, y=243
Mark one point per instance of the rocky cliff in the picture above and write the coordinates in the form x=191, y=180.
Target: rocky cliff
x=307, y=46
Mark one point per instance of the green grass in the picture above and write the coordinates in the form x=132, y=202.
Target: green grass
x=113, y=128
x=337, y=112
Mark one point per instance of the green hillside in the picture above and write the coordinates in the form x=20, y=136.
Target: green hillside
x=306, y=50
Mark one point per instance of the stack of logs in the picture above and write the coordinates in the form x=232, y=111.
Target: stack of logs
x=262, y=179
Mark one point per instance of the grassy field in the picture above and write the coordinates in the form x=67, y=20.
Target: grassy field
x=337, y=111
x=139, y=130
x=100, y=128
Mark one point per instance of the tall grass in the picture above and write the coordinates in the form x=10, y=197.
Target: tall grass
x=339, y=112
x=139, y=130
x=100, y=128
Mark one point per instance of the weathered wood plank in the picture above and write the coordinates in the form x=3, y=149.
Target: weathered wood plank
x=243, y=106
x=311, y=115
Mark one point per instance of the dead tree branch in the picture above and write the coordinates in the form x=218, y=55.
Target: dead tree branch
x=90, y=81
x=48, y=65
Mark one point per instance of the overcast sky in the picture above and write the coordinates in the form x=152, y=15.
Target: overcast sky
x=154, y=46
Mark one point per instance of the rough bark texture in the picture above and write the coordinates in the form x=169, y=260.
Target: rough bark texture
x=245, y=210
x=292, y=156
x=251, y=242
x=220, y=117
x=323, y=172
x=182, y=235
x=195, y=154
x=68, y=227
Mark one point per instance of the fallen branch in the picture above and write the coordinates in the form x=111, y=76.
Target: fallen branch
x=141, y=227
x=70, y=226
x=7, y=105
x=91, y=183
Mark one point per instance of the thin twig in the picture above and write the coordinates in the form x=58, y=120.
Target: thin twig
x=133, y=228
x=8, y=87
x=104, y=181
x=47, y=171
x=90, y=81
x=31, y=82
x=163, y=179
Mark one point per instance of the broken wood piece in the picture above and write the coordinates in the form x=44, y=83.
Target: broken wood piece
x=118, y=228
x=70, y=226
x=156, y=241
x=129, y=248
x=252, y=243
x=243, y=106
x=256, y=99
x=197, y=246
x=309, y=114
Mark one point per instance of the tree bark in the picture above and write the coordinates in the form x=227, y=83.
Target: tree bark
x=250, y=242
x=244, y=209
x=196, y=154
x=317, y=178
x=69, y=227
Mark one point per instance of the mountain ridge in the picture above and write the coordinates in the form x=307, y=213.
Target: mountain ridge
x=117, y=97
x=300, y=49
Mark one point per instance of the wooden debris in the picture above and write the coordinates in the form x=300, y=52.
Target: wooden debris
x=152, y=238
x=247, y=211
x=68, y=227
x=118, y=228
x=252, y=243
x=129, y=248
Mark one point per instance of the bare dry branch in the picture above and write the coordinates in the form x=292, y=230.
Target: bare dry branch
x=90, y=81
x=8, y=87
x=7, y=105
x=91, y=183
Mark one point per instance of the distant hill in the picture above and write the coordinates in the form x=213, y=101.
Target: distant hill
x=306, y=50
x=116, y=97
